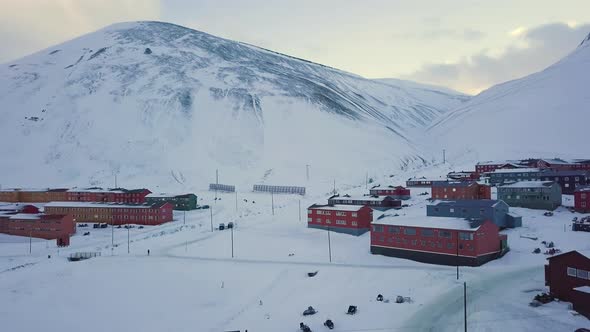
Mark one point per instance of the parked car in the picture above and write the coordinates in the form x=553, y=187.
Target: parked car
x=140, y=227
x=221, y=226
x=548, y=214
x=204, y=206
x=230, y=225
x=104, y=225
x=86, y=233
x=96, y=226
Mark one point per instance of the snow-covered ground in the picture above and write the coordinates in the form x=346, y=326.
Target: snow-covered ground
x=190, y=282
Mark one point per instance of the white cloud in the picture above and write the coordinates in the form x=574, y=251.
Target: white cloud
x=27, y=26
x=543, y=46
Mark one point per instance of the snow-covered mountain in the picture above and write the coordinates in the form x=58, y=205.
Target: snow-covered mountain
x=543, y=114
x=160, y=101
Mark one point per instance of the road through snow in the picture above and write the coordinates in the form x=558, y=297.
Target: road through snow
x=494, y=303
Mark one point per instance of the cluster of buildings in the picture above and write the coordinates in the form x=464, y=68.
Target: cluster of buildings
x=465, y=231
x=64, y=207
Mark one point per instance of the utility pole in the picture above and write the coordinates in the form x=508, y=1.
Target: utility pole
x=211, y=210
x=216, y=183
x=444, y=156
x=334, y=186
x=299, y=210
x=128, y=251
x=307, y=172
x=30, y=240
x=184, y=218
x=329, y=246
x=115, y=180
x=272, y=202
x=465, y=305
x=232, y=242
x=113, y=233
x=457, y=260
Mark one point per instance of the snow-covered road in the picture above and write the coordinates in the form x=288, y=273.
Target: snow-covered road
x=494, y=303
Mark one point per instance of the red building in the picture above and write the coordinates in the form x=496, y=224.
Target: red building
x=444, y=241
x=349, y=219
x=29, y=222
x=113, y=213
x=490, y=166
x=582, y=199
x=376, y=202
x=460, y=191
x=398, y=192
x=568, y=278
x=118, y=195
x=562, y=165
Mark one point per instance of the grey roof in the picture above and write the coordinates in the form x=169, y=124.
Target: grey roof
x=477, y=203
x=454, y=184
x=564, y=173
x=529, y=184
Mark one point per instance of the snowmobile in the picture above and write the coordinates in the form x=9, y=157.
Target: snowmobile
x=537, y=251
x=329, y=324
x=380, y=298
x=309, y=311
x=312, y=274
x=351, y=310
x=304, y=328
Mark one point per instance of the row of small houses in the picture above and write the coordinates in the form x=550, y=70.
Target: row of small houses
x=59, y=218
x=96, y=194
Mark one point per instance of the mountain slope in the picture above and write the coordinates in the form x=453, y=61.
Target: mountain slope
x=157, y=101
x=543, y=114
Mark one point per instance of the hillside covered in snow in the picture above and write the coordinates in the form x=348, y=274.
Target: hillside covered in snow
x=160, y=101
x=543, y=114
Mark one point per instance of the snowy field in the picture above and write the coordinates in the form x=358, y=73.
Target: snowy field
x=190, y=282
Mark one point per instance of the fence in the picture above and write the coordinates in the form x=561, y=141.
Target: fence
x=78, y=256
x=279, y=189
x=222, y=187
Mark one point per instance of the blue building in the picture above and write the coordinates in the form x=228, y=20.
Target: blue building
x=482, y=209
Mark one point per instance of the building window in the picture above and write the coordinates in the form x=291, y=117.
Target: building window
x=444, y=234
x=583, y=274
x=427, y=232
x=341, y=222
x=571, y=271
x=354, y=223
x=378, y=228
x=583, y=204
x=309, y=219
x=410, y=231
x=452, y=210
x=318, y=220
x=394, y=230
x=450, y=246
x=354, y=214
x=465, y=236
x=329, y=222
x=414, y=242
x=583, y=195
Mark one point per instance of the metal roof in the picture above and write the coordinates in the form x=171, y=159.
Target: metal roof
x=427, y=222
x=477, y=203
x=454, y=184
x=529, y=184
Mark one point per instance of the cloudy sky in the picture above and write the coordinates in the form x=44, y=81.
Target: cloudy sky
x=467, y=45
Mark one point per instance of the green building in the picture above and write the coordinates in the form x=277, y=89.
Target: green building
x=545, y=195
x=184, y=202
